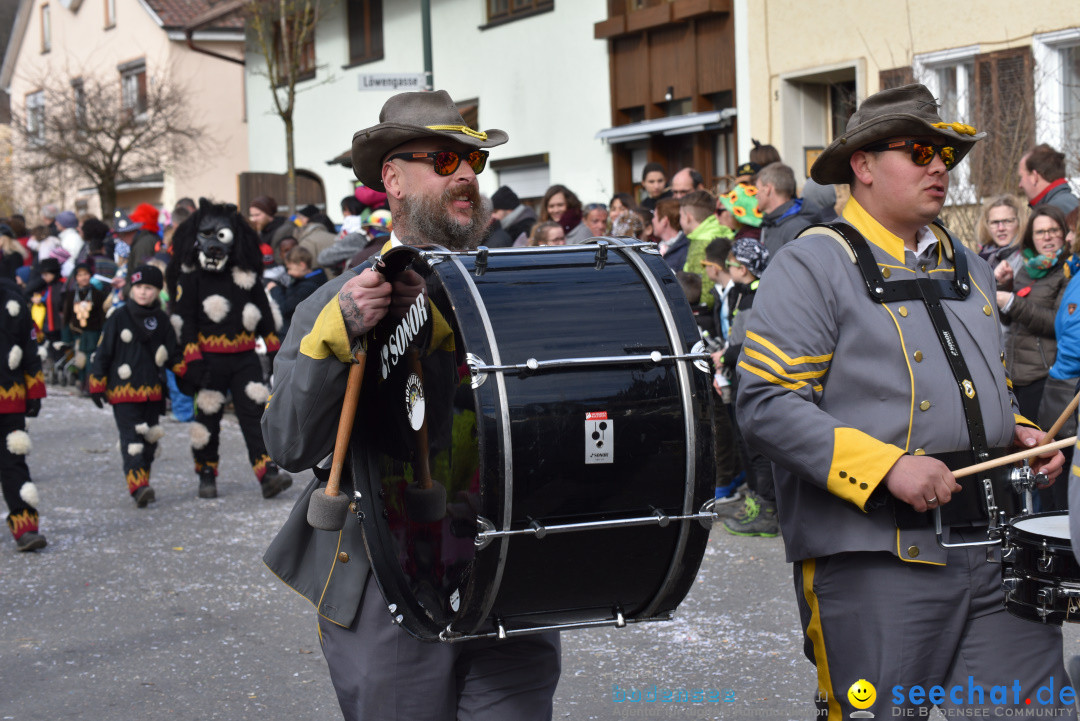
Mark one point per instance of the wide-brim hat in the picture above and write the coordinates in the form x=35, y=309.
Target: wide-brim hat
x=410, y=116
x=907, y=110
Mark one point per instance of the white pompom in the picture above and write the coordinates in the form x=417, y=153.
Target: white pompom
x=209, y=402
x=124, y=371
x=154, y=434
x=161, y=356
x=13, y=307
x=142, y=429
x=257, y=392
x=79, y=360
x=200, y=436
x=216, y=308
x=126, y=336
x=42, y=352
x=29, y=493
x=135, y=449
x=14, y=359
x=18, y=443
x=243, y=278
x=251, y=316
x=177, y=324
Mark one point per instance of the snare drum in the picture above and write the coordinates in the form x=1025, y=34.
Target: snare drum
x=536, y=442
x=1040, y=575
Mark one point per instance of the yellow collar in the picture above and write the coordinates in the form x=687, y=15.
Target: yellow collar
x=873, y=231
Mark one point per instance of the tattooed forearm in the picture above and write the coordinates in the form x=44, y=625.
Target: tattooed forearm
x=353, y=315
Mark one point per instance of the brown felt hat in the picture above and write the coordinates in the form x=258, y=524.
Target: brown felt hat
x=907, y=110
x=409, y=116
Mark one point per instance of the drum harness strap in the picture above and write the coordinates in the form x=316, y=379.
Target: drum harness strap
x=931, y=292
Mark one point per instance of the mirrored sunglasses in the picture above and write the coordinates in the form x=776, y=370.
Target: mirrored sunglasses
x=921, y=153
x=446, y=162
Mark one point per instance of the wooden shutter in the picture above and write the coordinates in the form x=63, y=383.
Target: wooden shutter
x=1005, y=109
x=895, y=77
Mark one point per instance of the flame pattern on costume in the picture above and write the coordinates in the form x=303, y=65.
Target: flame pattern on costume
x=131, y=394
x=21, y=523
x=35, y=385
x=260, y=467
x=224, y=343
x=137, y=478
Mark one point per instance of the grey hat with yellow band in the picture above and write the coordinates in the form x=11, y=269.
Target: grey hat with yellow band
x=410, y=116
x=908, y=110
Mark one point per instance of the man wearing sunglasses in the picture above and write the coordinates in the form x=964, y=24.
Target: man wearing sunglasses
x=872, y=369
x=426, y=159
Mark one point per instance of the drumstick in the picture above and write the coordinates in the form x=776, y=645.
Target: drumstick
x=345, y=421
x=1069, y=410
x=1013, y=457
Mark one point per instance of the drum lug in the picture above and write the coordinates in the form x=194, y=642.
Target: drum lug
x=484, y=527
x=355, y=505
x=701, y=364
x=396, y=618
x=707, y=516
x=448, y=635
x=1046, y=561
x=620, y=620
x=1009, y=584
x=501, y=629
x=538, y=529
x=601, y=254
x=432, y=258
x=475, y=363
x=662, y=518
x=481, y=263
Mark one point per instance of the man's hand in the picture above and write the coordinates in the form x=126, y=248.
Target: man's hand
x=1049, y=463
x=406, y=287
x=1003, y=273
x=921, y=481
x=364, y=301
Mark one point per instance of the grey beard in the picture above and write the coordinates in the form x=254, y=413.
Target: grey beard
x=428, y=220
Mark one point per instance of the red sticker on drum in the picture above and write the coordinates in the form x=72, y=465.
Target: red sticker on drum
x=599, y=438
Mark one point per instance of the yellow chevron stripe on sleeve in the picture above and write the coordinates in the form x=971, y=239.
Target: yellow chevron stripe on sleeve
x=328, y=336
x=783, y=356
x=777, y=381
x=751, y=353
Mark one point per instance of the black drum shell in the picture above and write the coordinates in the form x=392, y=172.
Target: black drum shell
x=1035, y=564
x=560, y=305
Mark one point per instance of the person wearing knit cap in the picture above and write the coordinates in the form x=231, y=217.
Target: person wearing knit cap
x=516, y=218
x=262, y=214
x=70, y=241
x=84, y=317
x=871, y=370
x=137, y=343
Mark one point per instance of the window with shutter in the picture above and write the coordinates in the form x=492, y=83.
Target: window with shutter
x=1005, y=109
x=365, y=31
x=895, y=77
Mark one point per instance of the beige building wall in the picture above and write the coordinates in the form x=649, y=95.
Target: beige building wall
x=790, y=45
x=81, y=45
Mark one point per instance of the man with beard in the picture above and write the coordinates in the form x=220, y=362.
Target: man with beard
x=426, y=158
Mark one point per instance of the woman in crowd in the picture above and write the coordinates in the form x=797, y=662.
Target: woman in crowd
x=262, y=214
x=1028, y=300
x=620, y=203
x=1000, y=224
x=563, y=207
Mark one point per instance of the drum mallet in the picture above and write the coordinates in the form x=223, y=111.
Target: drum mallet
x=327, y=510
x=425, y=499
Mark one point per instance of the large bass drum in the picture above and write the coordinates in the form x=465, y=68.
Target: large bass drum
x=534, y=448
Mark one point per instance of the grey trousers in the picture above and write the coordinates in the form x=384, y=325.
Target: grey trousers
x=381, y=673
x=910, y=627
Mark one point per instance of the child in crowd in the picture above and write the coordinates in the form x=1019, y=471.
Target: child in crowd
x=138, y=343
x=305, y=281
x=84, y=314
x=46, y=294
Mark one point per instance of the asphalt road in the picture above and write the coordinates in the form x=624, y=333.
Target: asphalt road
x=169, y=613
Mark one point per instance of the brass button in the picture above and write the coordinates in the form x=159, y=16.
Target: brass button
x=343, y=557
x=903, y=311
x=919, y=452
x=986, y=309
x=924, y=406
x=885, y=272
x=918, y=356
x=913, y=551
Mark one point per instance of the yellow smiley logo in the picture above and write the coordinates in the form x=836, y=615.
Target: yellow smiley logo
x=862, y=694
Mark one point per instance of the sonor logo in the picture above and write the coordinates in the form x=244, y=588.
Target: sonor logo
x=407, y=330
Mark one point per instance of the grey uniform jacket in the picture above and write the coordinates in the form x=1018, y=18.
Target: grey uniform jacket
x=834, y=387
x=299, y=427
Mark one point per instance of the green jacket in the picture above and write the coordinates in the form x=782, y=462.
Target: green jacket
x=700, y=237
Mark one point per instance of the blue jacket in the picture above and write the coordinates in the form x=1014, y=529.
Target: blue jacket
x=1067, y=327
